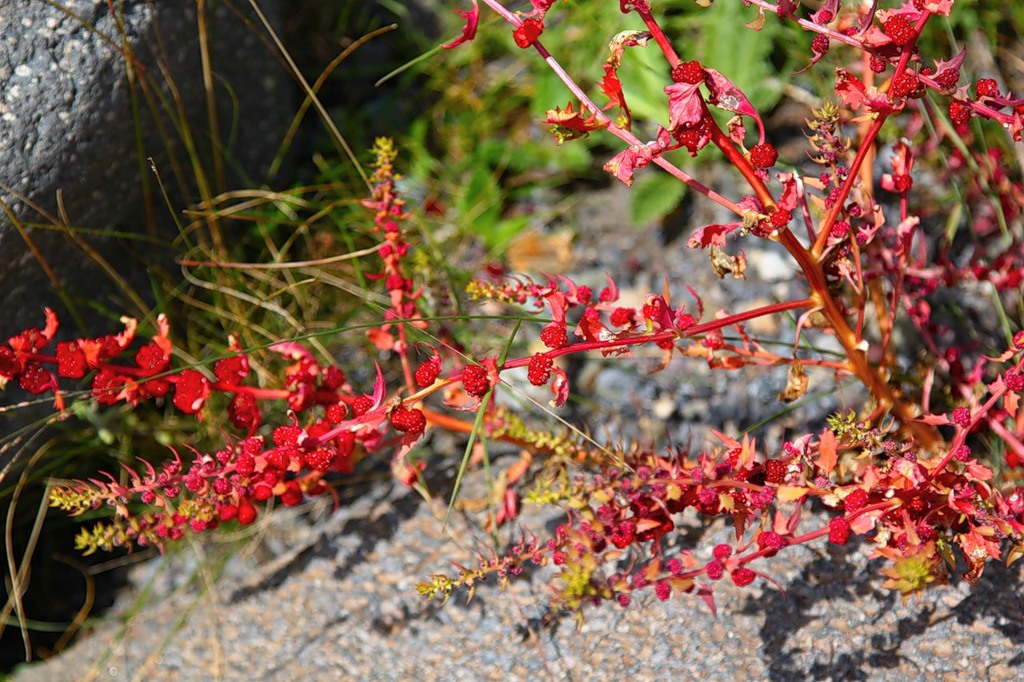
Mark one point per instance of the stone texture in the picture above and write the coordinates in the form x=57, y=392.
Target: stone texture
x=67, y=130
x=336, y=599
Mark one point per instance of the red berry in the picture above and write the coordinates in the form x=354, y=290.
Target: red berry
x=243, y=411
x=191, y=391
x=623, y=317
x=947, y=78
x=688, y=72
x=1014, y=380
x=838, y=531
x=1018, y=341
x=959, y=113
x=11, y=365
x=427, y=373
x=781, y=217
x=152, y=359
x=287, y=436
x=411, y=421
x=333, y=378
x=554, y=335
x=539, y=369
x=475, y=381
x=775, y=471
x=906, y=84
x=743, y=576
x=528, y=32
x=770, y=541
x=362, y=405
x=877, y=64
x=962, y=417
x=691, y=137
x=336, y=413
x=34, y=379
x=722, y=551
x=763, y=155
x=246, y=512
x=917, y=505
x=856, y=500
x=715, y=570
x=986, y=87
x=820, y=44
x=663, y=591
x=228, y=370
x=320, y=459
x=899, y=29
x=292, y=494
x=901, y=184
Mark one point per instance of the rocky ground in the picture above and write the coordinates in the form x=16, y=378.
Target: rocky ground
x=321, y=595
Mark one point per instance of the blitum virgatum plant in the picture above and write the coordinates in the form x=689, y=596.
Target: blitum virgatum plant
x=903, y=474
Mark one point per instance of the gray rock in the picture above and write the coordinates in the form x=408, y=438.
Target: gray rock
x=338, y=601
x=68, y=136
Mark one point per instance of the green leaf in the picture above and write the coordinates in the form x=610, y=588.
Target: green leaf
x=742, y=55
x=655, y=195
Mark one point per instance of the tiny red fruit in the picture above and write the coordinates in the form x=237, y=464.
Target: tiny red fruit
x=838, y=531
x=856, y=500
x=959, y=113
x=763, y=155
x=820, y=44
x=899, y=29
x=986, y=87
x=781, y=217
x=905, y=85
x=362, y=405
x=427, y=373
x=475, y=381
x=539, y=369
x=528, y=32
x=962, y=417
x=743, y=576
x=774, y=471
x=411, y=421
x=688, y=72
x=554, y=335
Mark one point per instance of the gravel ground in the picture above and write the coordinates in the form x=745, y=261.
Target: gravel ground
x=336, y=600
x=332, y=596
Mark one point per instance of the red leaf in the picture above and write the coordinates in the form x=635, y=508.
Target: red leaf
x=559, y=388
x=787, y=8
x=685, y=106
x=849, y=88
x=829, y=9
x=952, y=65
x=829, y=454
x=725, y=95
x=611, y=86
x=621, y=165
x=708, y=596
x=575, y=119
x=472, y=17
x=711, y=235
